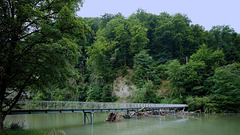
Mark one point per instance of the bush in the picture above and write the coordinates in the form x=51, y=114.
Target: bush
x=201, y=103
x=94, y=93
x=14, y=126
x=107, y=94
x=161, y=71
x=146, y=94
x=172, y=101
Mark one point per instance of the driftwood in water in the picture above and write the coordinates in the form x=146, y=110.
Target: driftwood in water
x=143, y=113
x=113, y=117
x=141, y=109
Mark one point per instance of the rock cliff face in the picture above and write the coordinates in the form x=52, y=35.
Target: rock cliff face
x=123, y=87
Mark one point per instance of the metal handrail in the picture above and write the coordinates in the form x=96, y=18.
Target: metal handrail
x=60, y=105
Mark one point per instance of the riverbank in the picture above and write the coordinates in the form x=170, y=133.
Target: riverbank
x=32, y=132
x=24, y=132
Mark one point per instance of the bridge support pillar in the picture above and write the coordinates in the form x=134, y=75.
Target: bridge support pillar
x=86, y=118
x=159, y=112
x=135, y=114
x=127, y=114
x=92, y=117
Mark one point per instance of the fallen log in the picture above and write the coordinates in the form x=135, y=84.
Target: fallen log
x=140, y=110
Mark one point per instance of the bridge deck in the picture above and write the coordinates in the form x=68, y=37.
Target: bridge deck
x=36, y=107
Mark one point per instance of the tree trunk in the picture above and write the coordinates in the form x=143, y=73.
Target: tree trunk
x=113, y=117
x=2, y=93
x=1, y=121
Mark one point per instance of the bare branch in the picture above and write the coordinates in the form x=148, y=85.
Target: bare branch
x=48, y=7
x=24, y=36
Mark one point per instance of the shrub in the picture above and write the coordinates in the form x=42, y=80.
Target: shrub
x=205, y=104
x=145, y=94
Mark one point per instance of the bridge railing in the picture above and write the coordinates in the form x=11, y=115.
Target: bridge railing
x=56, y=105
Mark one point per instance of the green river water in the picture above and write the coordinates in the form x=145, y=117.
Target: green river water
x=72, y=124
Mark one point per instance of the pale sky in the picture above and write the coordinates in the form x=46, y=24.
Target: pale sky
x=207, y=13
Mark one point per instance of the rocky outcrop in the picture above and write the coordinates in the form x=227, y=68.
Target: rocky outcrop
x=123, y=87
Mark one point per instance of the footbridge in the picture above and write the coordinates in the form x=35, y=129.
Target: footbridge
x=88, y=108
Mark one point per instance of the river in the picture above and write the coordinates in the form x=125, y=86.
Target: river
x=72, y=124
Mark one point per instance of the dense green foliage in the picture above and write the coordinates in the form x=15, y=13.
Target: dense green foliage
x=190, y=79
x=201, y=103
x=226, y=87
x=157, y=47
x=145, y=94
x=143, y=69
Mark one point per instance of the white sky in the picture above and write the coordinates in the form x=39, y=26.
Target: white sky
x=207, y=13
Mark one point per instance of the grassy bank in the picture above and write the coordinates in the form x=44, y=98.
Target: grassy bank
x=24, y=132
x=32, y=132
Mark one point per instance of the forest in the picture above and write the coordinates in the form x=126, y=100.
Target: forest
x=48, y=53
x=200, y=67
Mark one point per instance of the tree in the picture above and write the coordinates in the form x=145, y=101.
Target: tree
x=190, y=79
x=115, y=46
x=139, y=38
x=176, y=75
x=225, y=38
x=226, y=88
x=149, y=21
x=145, y=94
x=98, y=62
x=38, y=46
x=171, y=37
x=175, y=38
x=106, y=18
x=211, y=58
x=143, y=69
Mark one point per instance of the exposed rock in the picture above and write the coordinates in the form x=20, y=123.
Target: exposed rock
x=123, y=86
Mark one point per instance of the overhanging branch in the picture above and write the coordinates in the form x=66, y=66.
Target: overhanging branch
x=17, y=97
